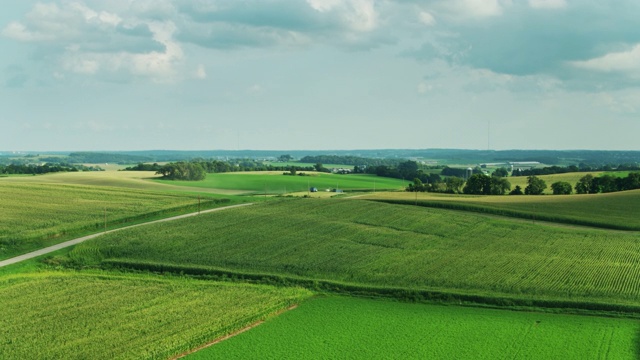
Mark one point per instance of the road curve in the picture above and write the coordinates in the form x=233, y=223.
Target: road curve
x=65, y=244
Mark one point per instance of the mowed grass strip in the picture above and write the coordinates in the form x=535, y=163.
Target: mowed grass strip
x=384, y=245
x=351, y=328
x=78, y=316
x=612, y=210
x=38, y=215
x=261, y=182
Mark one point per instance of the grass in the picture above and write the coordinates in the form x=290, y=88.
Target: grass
x=613, y=210
x=384, y=248
x=38, y=215
x=349, y=328
x=277, y=183
x=55, y=315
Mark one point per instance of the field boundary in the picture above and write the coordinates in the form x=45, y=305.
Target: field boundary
x=235, y=333
x=507, y=213
x=404, y=294
x=68, y=243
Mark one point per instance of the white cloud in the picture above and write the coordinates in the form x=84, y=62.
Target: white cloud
x=624, y=62
x=87, y=41
x=201, y=73
x=17, y=31
x=324, y=5
x=423, y=87
x=465, y=9
x=548, y=4
x=255, y=88
x=426, y=18
x=359, y=15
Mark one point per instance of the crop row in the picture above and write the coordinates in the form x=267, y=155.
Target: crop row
x=383, y=245
x=75, y=316
x=35, y=215
x=611, y=211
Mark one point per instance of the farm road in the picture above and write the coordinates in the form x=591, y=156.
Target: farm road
x=65, y=244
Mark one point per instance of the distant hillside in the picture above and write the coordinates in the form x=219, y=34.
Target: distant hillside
x=439, y=156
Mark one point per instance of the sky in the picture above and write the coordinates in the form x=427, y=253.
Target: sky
x=319, y=74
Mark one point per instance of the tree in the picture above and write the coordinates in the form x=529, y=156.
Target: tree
x=561, y=188
x=499, y=186
x=584, y=185
x=285, y=158
x=516, y=191
x=476, y=184
x=408, y=169
x=501, y=172
x=454, y=184
x=417, y=186
x=320, y=168
x=535, y=186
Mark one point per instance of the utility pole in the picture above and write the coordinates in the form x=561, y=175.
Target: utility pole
x=198, y=204
x=105, y=219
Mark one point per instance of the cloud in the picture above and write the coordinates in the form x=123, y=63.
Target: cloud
x=94, y=41
x=201, y=73
x=254, y=89
x=254, y=23
x=426, y=18
x=627, y=62
x=519, y=39
x=548, y=4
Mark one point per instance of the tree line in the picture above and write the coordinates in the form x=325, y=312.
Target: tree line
x=349, y=160
x=31, y=169
x=582, y=167
x=589, y=184
x=198, y=169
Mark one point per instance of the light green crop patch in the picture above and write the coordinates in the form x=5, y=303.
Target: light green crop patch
x=76, y=316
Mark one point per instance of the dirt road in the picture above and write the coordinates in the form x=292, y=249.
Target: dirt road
x=85, y=238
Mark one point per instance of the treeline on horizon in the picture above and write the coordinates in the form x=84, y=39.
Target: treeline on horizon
x=31, y=169
x=551, y=157
x=196, y=170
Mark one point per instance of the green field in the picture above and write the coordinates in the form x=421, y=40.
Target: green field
x=56, y=315
x=612, y=210
x=349, y=328
x=376, y=246
x=276, y=183
x=138, y=180
x=38, y=215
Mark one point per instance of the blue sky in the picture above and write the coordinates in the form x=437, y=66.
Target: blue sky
x=319, y=74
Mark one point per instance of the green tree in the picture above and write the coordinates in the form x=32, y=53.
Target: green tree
x=417, y=186
x=501, y=172
x=561, y=188
x=477, y=184
x=454, y=184
x=320, y=168
x=516, y=191
x=584, y=185
x=285, y=158
x=535, y=186
x=499, y=186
